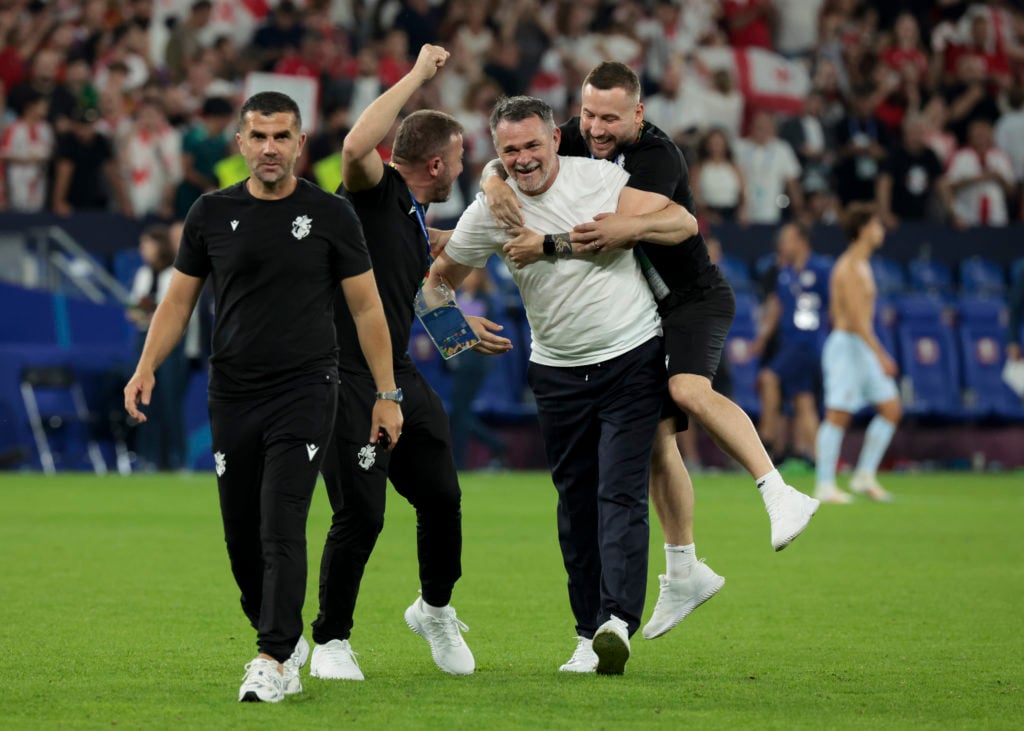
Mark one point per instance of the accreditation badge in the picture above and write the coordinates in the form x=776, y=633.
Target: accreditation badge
x=444, y=322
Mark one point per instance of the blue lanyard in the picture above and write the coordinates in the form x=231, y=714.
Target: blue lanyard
x=421, y=219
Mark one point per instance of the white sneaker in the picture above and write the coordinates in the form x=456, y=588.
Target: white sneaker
x=583, y=660
x=611, y=645
x=335, y=660
x=831, y=494
x=262, y=682
x=679, y=597
x=789, y=511
x=865, y=484
x=444, y=634
x=297, y=660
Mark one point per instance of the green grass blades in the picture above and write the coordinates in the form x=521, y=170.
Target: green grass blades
x=117, y=610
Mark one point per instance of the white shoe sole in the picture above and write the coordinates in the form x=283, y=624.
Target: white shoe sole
x=717, y=583
x=811, y=509
x=612, y=653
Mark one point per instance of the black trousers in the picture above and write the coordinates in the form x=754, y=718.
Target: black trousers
x=422, y=470
x=599, y=423
x=268, y=453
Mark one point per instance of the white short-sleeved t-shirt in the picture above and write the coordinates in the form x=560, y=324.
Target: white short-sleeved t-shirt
x=982, y=203
x=766, y=169
x=581, y=310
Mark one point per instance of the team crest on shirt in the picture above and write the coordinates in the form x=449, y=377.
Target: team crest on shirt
x=621, y=160
x=220, y=463
x=301, y=226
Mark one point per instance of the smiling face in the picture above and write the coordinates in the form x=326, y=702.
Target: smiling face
x=528, y=149
x=270, y=144
x=610, y=119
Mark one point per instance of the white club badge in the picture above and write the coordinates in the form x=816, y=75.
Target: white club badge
x=301, y=226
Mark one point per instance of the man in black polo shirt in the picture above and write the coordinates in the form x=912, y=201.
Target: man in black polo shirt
x=390, y=201
x=697, y=307
x=275, y=248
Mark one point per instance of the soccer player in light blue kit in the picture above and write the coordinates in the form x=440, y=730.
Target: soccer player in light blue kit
x=856, y=368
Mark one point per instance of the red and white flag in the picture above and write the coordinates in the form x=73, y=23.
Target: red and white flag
x=766, y=79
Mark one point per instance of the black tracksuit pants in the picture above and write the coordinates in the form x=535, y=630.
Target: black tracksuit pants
x=268, y=453
x=422, y=470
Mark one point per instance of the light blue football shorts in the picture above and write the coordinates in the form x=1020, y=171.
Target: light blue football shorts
x=853, y=376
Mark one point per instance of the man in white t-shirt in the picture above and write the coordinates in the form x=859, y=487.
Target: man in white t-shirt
x=596, y=368
x=771, y=172
x=981, y=176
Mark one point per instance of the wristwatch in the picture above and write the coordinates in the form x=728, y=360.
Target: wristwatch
x=395, y=395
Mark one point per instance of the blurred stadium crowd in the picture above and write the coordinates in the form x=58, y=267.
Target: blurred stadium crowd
x=785, y=108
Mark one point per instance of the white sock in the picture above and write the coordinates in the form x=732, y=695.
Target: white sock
x=770, y=481
x=432, y=610
x=679, y=560
x=830, y=440
x=876, y=441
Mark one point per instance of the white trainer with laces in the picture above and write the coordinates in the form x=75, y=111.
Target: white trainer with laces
x=262, y=682
x=335, y=660
x=679, y=597
x=789, y=511
x=611, y=645
x=583, y=660
x=865, y=484
x=444, y=633
x=830, y=494
x=292, y=681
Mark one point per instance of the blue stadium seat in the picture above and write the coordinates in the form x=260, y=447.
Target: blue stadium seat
x=126, y=263
x=922, y=309
x=742, y=361
x=930, y=276
x=886, y=316
x=983, y=347
x=982, y=311
x=930, y=380
x=737, y=273
x=29, y=316
x=889, y=275
x=981, y=276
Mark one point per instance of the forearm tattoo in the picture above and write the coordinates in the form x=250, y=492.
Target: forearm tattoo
x=558, y=245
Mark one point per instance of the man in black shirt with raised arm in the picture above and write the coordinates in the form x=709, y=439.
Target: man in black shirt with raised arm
x=275, y=248
x=390, y=201
x=697, y=307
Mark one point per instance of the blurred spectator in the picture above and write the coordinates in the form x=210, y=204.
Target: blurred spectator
x=42, y=81
x=861, y=143
x=115, y=118
x=420, y=22
x=722, y=104
x=78, y=81
x=185, y=100
x=982, y=179
x=185, y=38
x=474, y=114
x=939, y=139
x=149, y=161
x=1009, y=131
x=160, y=441
x=472, y=35
x=812, y=142
x=282, y=30
x=717, y=180
x=469, y=371
x=771, y=173
x=202, y=147
x=26, y=148
x=977, y=39
x=366, y=84
x=130, y=48
x=85, y=171
x=796, y=27
x=676, y=108
x=749, y=22
x=305, y=61
x=909, y=178
x=230, y=66
x=393, y=62
x=503, y=66
x=92, y=31
x=968, y=97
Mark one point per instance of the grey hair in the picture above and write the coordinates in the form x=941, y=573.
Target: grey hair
x=518, y=108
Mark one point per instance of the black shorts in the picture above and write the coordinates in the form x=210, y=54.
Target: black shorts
x=695, y=329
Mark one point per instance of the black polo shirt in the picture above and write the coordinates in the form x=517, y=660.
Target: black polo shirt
x=914, y=175
x=656, y=165
x=275, y=268
x=398, y=250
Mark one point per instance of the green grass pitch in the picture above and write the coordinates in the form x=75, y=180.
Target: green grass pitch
x=119, y=611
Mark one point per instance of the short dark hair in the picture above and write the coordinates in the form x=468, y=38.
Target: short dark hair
x=217, y=106
x=856, y=217
x=270, y=102
x=422, y=135
x=614, y=75
x=518, y=108
x=802, y=230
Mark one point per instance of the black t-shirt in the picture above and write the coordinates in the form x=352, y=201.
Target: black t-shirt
x=275, y=266
x=656, y=165
x=87, y=188
x=398, y=250
x=985, y=108
x=913, y=178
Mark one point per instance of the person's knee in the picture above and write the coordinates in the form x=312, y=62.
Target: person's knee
x=691, y=393
x=891, y=411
